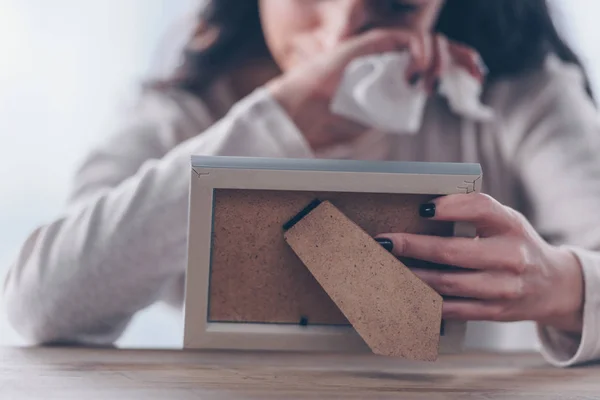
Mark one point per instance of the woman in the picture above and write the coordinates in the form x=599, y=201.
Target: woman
x=121, y=245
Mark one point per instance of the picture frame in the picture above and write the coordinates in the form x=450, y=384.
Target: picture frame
x=216, y=180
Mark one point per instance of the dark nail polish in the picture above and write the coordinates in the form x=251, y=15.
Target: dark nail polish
x=386, y=244
x=436, y=85
x=414, y=78
x=427, y=210
x=303, y=321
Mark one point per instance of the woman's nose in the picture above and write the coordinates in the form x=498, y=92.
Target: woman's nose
x=343, y=19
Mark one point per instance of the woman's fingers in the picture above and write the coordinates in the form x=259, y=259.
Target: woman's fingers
x=439, y=63
x=422, y=53
x=469, y=253
x=460, y=252
x=468, y=59
x=483, y=285
x=488, y=215
x=379, y=41
x=476, y=310
x=430, y=54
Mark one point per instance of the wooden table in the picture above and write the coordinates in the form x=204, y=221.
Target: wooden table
x=90, y=374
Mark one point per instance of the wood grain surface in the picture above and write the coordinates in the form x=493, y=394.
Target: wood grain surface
x=91, y=374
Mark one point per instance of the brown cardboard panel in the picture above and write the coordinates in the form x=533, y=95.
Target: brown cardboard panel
x=256, y=277
x=394, y=312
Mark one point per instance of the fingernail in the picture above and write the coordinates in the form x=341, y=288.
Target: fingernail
x=386, y=244
x=436, y=85
x=303, y=321
x=427, y=210
x=414, y=78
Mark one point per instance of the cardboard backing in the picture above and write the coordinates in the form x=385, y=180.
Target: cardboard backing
x=395, y=312
x=256, y=277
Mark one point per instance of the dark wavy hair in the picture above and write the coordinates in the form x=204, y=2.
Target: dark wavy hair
x=512, y=37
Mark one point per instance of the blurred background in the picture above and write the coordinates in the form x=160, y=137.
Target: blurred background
x=69, y=68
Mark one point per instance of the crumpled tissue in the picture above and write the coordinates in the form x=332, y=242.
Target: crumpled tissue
x=375, y=93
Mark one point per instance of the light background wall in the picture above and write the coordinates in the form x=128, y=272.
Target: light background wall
x=67, y=70
x=67, y=67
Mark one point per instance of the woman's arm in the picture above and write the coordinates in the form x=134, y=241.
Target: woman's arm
x=550, y=140
x=558, y=163
x=82, y=277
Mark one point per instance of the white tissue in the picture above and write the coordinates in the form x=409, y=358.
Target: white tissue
x=463, y=91
x=375, y=93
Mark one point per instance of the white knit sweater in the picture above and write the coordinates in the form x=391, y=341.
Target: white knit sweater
x=120, y=244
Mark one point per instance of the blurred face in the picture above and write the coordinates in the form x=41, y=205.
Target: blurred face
x=298, y=30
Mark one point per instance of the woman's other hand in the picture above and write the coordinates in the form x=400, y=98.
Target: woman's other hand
x=306, y=91
x=509, y=272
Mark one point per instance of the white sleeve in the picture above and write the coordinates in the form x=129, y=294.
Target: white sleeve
x=564, y=349
x=82, y=277
x=556, y=158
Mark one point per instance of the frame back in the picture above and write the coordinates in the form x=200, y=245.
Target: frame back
x=245, y=287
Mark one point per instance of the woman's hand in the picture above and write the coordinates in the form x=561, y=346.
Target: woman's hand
x=306, y=91
x=510, y=273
